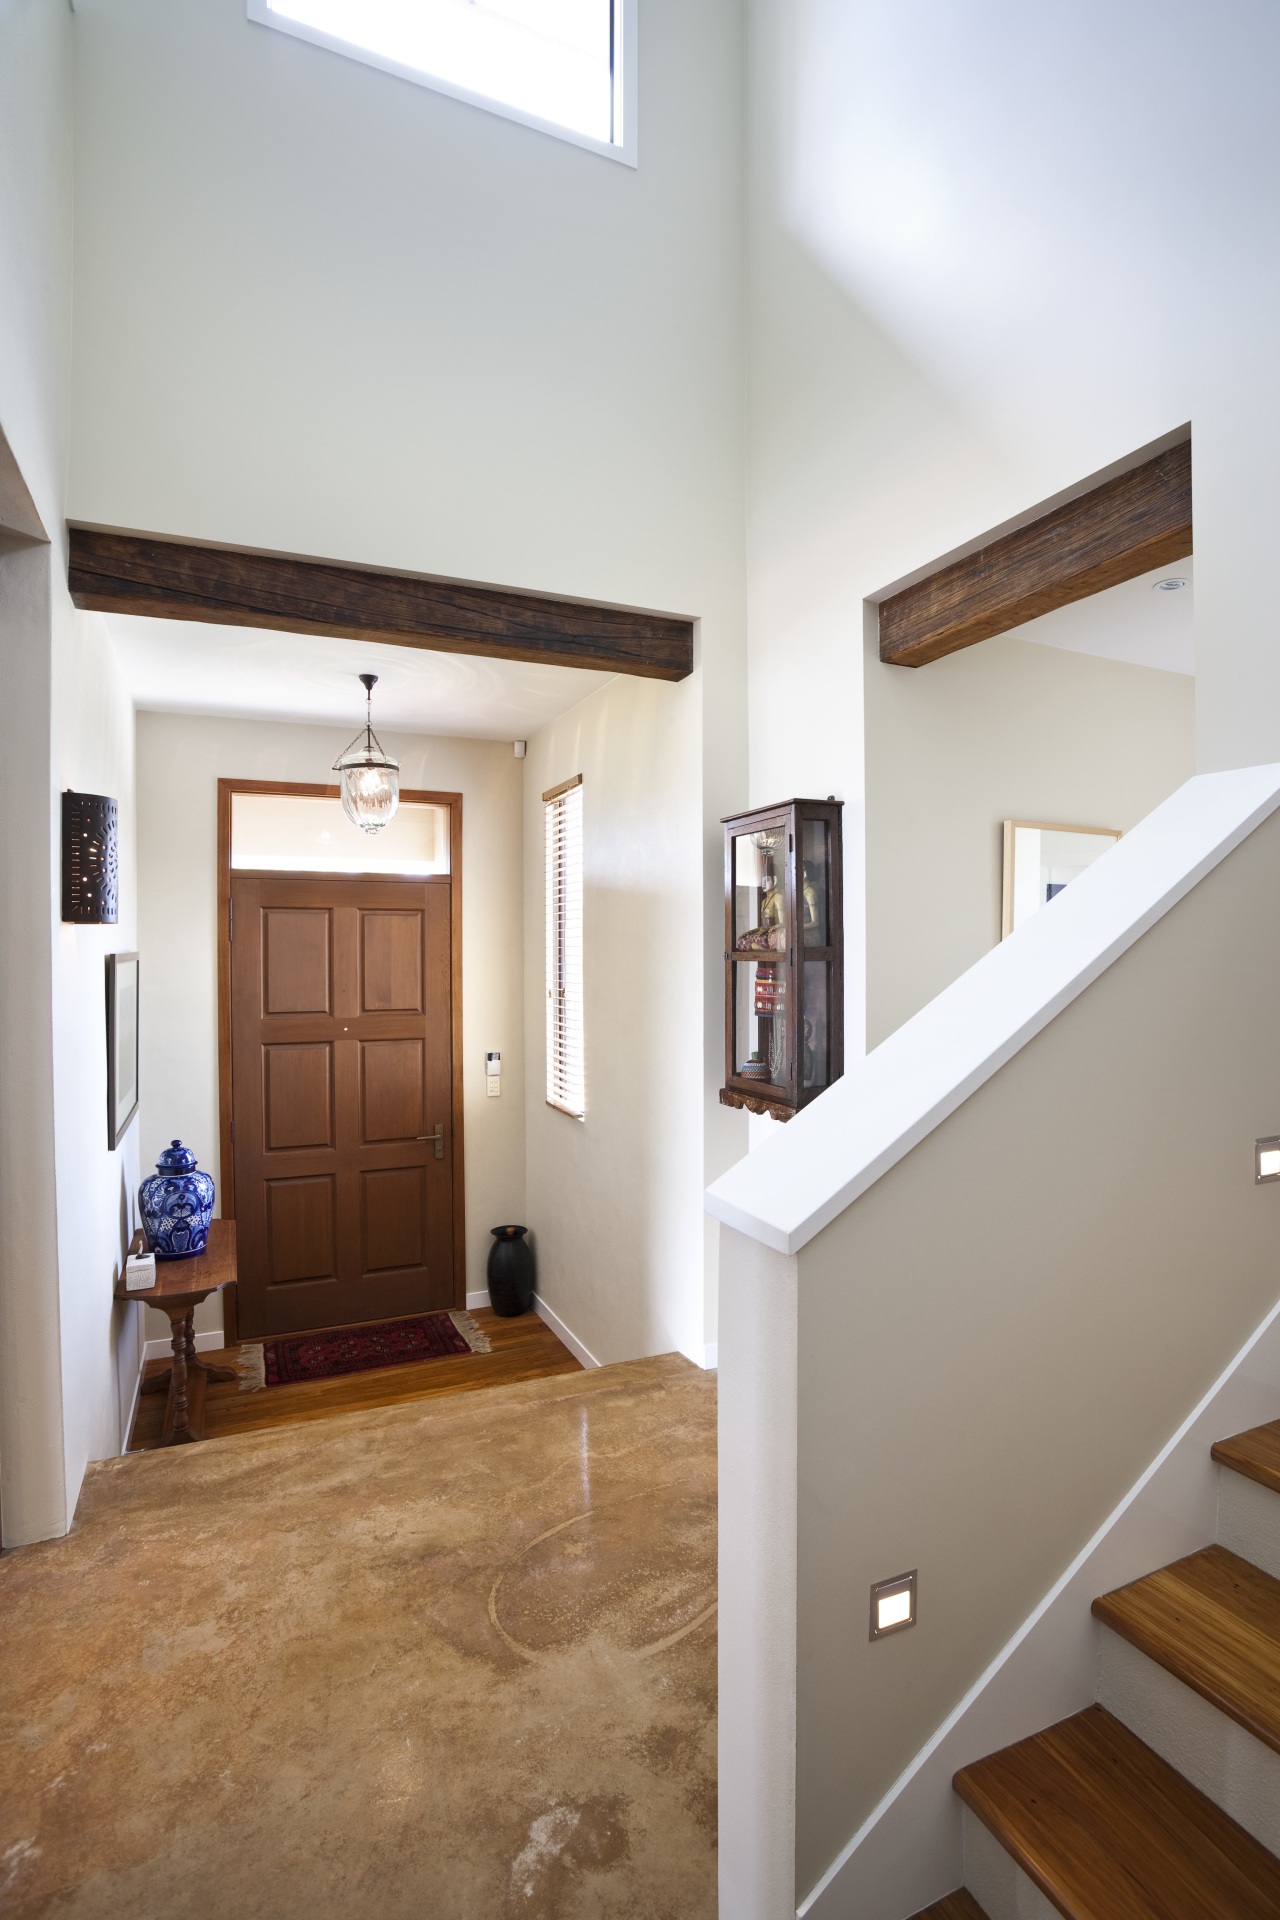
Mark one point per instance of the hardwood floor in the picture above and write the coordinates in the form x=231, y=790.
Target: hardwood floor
x=523, y=1349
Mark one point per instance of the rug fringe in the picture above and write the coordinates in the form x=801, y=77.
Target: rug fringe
x=469, y=1328
x=251, y=1365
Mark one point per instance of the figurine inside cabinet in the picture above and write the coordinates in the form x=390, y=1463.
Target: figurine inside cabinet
x=784, y=956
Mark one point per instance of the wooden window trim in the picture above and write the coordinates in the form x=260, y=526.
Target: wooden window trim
x=312, y=791
x=566, y=786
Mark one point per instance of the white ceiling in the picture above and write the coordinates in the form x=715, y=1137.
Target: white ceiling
x=181, y=666
x=1133, y=622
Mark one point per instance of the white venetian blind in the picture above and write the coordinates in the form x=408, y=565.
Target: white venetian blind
x=565, y=1065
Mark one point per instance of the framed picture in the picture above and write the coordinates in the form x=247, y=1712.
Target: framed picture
x=1040, y=860
x=122, y=1044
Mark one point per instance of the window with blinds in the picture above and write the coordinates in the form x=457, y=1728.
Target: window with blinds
x=562, y=807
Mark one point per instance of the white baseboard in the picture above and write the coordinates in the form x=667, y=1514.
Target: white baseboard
x=711, y=1356
x=132, y=1414
x=558, y=1327
x=163, y=1349
x=908, y=1852
x=553, y=1320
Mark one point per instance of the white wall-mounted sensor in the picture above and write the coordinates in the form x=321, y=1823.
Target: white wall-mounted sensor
x=493, y=1074
x=1266, y=1159
x=893, y=1605
x=521, y=747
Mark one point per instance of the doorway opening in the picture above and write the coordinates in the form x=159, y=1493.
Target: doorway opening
x=340, y=1058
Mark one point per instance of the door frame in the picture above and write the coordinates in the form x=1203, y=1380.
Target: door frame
x=227, y=1188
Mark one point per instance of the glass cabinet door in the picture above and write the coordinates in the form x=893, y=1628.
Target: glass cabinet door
x=815, y=885
x=760, y=891
x=760, y=1021
x=816, y=1044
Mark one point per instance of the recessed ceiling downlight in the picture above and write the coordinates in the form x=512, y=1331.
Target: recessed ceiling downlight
x=1172, y=585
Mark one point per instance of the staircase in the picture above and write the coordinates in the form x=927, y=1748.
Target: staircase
x=1162, y=1801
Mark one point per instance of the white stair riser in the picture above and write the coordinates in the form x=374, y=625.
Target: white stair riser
x=996, y=1881
x=1249, y=1520
x=1212, y=1751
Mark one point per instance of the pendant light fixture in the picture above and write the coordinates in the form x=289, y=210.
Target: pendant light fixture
x=370, y=778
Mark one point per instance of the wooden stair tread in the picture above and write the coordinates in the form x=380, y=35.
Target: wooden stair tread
x=1108, y=1831
x=1212, y=1620
x=1256, y=1454
x=959, y=1905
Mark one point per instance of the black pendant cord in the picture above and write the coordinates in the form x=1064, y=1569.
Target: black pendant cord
x=372, y=745
x=369, y=681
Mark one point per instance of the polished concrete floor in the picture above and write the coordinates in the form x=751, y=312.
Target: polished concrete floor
x=446, y=1661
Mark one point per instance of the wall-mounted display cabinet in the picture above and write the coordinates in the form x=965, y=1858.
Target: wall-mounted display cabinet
x=784, y=956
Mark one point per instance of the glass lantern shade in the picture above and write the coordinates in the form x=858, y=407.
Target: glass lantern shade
x=370, y=787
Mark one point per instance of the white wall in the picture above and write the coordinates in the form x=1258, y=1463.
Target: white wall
x=97, y=1186
x=858, y=468
x=950, y=318
x=66, y=1354
x=615, y=1199
x=324, y=311
x=180, y=760
x=32, y=1486
x=1002, y=731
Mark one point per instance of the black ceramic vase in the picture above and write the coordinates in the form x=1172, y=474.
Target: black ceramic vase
x=511, y=1271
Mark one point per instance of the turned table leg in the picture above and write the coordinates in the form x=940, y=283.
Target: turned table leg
x=181, y=1319
x=210, y=1373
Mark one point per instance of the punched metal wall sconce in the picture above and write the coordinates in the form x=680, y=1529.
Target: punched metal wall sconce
x=90, y=859
x=893, y=1605
x=1266, y=1159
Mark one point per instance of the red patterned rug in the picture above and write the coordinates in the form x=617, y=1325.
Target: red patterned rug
x=391, y=1343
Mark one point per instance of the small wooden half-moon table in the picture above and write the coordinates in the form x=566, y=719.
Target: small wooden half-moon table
x=180, y=1287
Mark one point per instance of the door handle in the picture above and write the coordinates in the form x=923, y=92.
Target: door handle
x=438, y=1137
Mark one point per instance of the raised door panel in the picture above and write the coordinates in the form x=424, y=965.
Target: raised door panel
x=391, y=1091
x=297, y=1093
x=297, y=960
x=302, y=1237
x=395, y=1219
x=391, y=962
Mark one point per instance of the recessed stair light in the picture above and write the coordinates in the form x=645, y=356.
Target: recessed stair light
x=1172, y=585
x=893, y=1605
x=1266, y=1159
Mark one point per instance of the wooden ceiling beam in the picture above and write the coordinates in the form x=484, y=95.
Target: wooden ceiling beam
x=230, y=586
x=1127, y=526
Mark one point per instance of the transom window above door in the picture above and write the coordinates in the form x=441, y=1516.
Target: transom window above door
x=309, y=833
x=564, y=66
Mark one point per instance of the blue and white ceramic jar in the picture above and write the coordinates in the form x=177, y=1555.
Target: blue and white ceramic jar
x=176, y=1202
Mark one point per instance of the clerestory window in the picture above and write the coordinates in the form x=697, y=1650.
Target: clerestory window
x=565, y=66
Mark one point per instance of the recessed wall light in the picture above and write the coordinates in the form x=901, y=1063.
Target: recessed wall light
x=1171, y=585
x=1266, y=1159
x=893, y=1605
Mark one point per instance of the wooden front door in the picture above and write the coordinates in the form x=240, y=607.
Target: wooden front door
x=343, y=1133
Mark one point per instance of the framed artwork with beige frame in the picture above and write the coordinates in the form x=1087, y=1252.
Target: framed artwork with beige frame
x=1040, y=859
